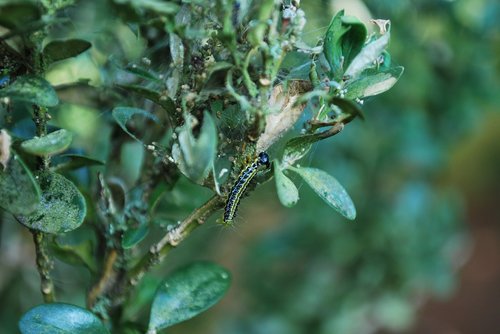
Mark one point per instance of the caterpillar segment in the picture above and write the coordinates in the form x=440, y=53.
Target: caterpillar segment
x=240, y=186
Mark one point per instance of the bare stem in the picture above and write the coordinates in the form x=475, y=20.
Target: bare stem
x=44, y=266
x=158, y=251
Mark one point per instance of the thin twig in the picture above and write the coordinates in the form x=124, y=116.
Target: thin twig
x=44, y=266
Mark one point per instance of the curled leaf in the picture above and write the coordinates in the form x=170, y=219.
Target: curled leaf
x=195, y=156
x=367, y=56
x=286, y=115
x=122, y=115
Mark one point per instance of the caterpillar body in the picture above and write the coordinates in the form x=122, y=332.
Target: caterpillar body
x=241, y=184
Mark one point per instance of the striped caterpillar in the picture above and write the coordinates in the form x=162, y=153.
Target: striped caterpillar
x=239, y=187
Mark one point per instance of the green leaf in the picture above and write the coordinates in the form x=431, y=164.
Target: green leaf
x=296, y=148
x=75, y=254
x=287, y=191
x=62, y=207
x=329, y=189
x=348, y=106
x=75, y=161
x=186, y=293
x=157, y=6
x=196, y=156
x=59, y=50
x=373, y=84
x=50, y=144
x=132, y=237
x=161, y=99
x=176, y=50
x=142, y=72
x=353, y=40
x=296, y=65
x=124, y=114
x=19, y=192
x=32, y=89
x=60, y=318
x=344, y=39
x=18, y=14
x=368, y=55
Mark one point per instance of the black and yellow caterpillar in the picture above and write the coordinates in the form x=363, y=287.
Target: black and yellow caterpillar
x=239, y=187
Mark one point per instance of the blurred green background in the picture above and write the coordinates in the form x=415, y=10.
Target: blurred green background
x=423, y=255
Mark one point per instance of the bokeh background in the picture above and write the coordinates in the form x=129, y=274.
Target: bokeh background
x=423, y=255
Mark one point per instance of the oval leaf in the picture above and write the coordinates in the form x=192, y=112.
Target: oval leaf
x=186, y=293
x=50, y=144
x=75, y=161
x=132, y=237
x=123, y=114
x=287, y=191
x=61, y=209
x=59, y=50
x=373, y=84
x=19, y=192
x=367, y=56
x=329, y=189
x=60, y=318
x=32, y=89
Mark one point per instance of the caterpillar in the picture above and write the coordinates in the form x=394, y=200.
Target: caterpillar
x=239, y=187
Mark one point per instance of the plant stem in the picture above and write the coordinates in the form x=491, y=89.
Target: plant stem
x=159, y=251
x=44, y=266
x=43, y=262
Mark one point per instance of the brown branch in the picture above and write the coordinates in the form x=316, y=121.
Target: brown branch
x=103, y=283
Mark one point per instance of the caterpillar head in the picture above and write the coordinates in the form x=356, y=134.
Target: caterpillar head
x=263, y=159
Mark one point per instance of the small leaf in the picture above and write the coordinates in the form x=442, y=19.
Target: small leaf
x=373, y=84
x=368, y=55
x=75, y=161
x=124, y=114
x=142, y=72
x=50, y=144
x=19, y=192
x=132, y=237
x=158, y=6
x=59, y=318
x=161, y=99
x=353, y=40
x=18, y=14
x=329, y=189
x=62, y=207
x=32, y=89
x=287, y=191
x=186, y=293
x=59, y=50
x=176, y=50
x=296, y=148
x=195, y=156
x=75, y=254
